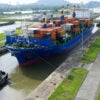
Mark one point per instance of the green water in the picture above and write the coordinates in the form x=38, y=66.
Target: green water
x=24, y=80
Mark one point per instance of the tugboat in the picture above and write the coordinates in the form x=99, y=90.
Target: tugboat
x=3, y=77
x=49, y=39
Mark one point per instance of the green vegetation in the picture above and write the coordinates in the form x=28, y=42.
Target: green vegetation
x=69, y=87
x=19, y=31
x=2, y=44
x=98, y=96
x=5, y=20
x=3, y=16
x=2, y=36
x=92, y=52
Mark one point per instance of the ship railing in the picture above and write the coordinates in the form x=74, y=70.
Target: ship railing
x=32, y=43
x=66, y=37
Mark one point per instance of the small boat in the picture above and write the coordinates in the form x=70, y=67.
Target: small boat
x=3, y=77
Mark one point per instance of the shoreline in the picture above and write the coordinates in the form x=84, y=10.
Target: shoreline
x=48, y=86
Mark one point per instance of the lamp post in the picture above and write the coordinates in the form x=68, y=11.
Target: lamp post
x=67, y=8
x=82, y=33
x=82, y=40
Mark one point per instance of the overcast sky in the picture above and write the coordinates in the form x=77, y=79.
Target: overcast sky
x=32, y=1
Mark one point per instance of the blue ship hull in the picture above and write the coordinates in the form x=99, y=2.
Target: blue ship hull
x=29, y=55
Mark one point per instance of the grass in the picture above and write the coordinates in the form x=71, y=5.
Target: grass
x=2, y=36
x=69, y=87
x=4, y=19
x=92, y=52
x=2, y=44
x=3, y=16
x=19, y=31
x=98, y=96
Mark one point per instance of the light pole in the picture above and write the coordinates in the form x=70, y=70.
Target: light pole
x=67, y=9
x=82, y=41
x=82, y=32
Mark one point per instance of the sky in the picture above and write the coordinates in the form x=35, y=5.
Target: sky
x=33, y=1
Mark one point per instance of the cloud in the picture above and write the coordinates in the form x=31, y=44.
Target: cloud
x=80, y=1
x=17, y=1
x=33, y=1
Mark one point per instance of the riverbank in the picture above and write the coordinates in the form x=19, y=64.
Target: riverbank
x=44, y=90
x=7, y=23
x=91, y=86
x=70, y=94
x=70, y=85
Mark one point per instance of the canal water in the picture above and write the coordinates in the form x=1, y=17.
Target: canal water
x=17, y=24
x=13, y=26
x=22, y=80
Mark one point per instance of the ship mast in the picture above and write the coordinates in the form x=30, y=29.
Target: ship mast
x=82, y=30
x=67, y=6
x=44, y=20
x=62, y=13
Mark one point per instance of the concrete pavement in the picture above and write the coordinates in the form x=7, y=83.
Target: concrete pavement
x=91, y=86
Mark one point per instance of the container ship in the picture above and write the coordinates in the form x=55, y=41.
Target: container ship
x=48, y=40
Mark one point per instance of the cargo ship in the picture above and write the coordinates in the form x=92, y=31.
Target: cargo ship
x=48, y=40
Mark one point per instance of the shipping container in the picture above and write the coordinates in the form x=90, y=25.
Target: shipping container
x=76, y=30
x=76, y=23
x=69, y=20
x=88, y=21
x=57, y=22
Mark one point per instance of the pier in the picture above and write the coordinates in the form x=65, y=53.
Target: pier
x=48, y=86
x=45, y=89
x=91, y=86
